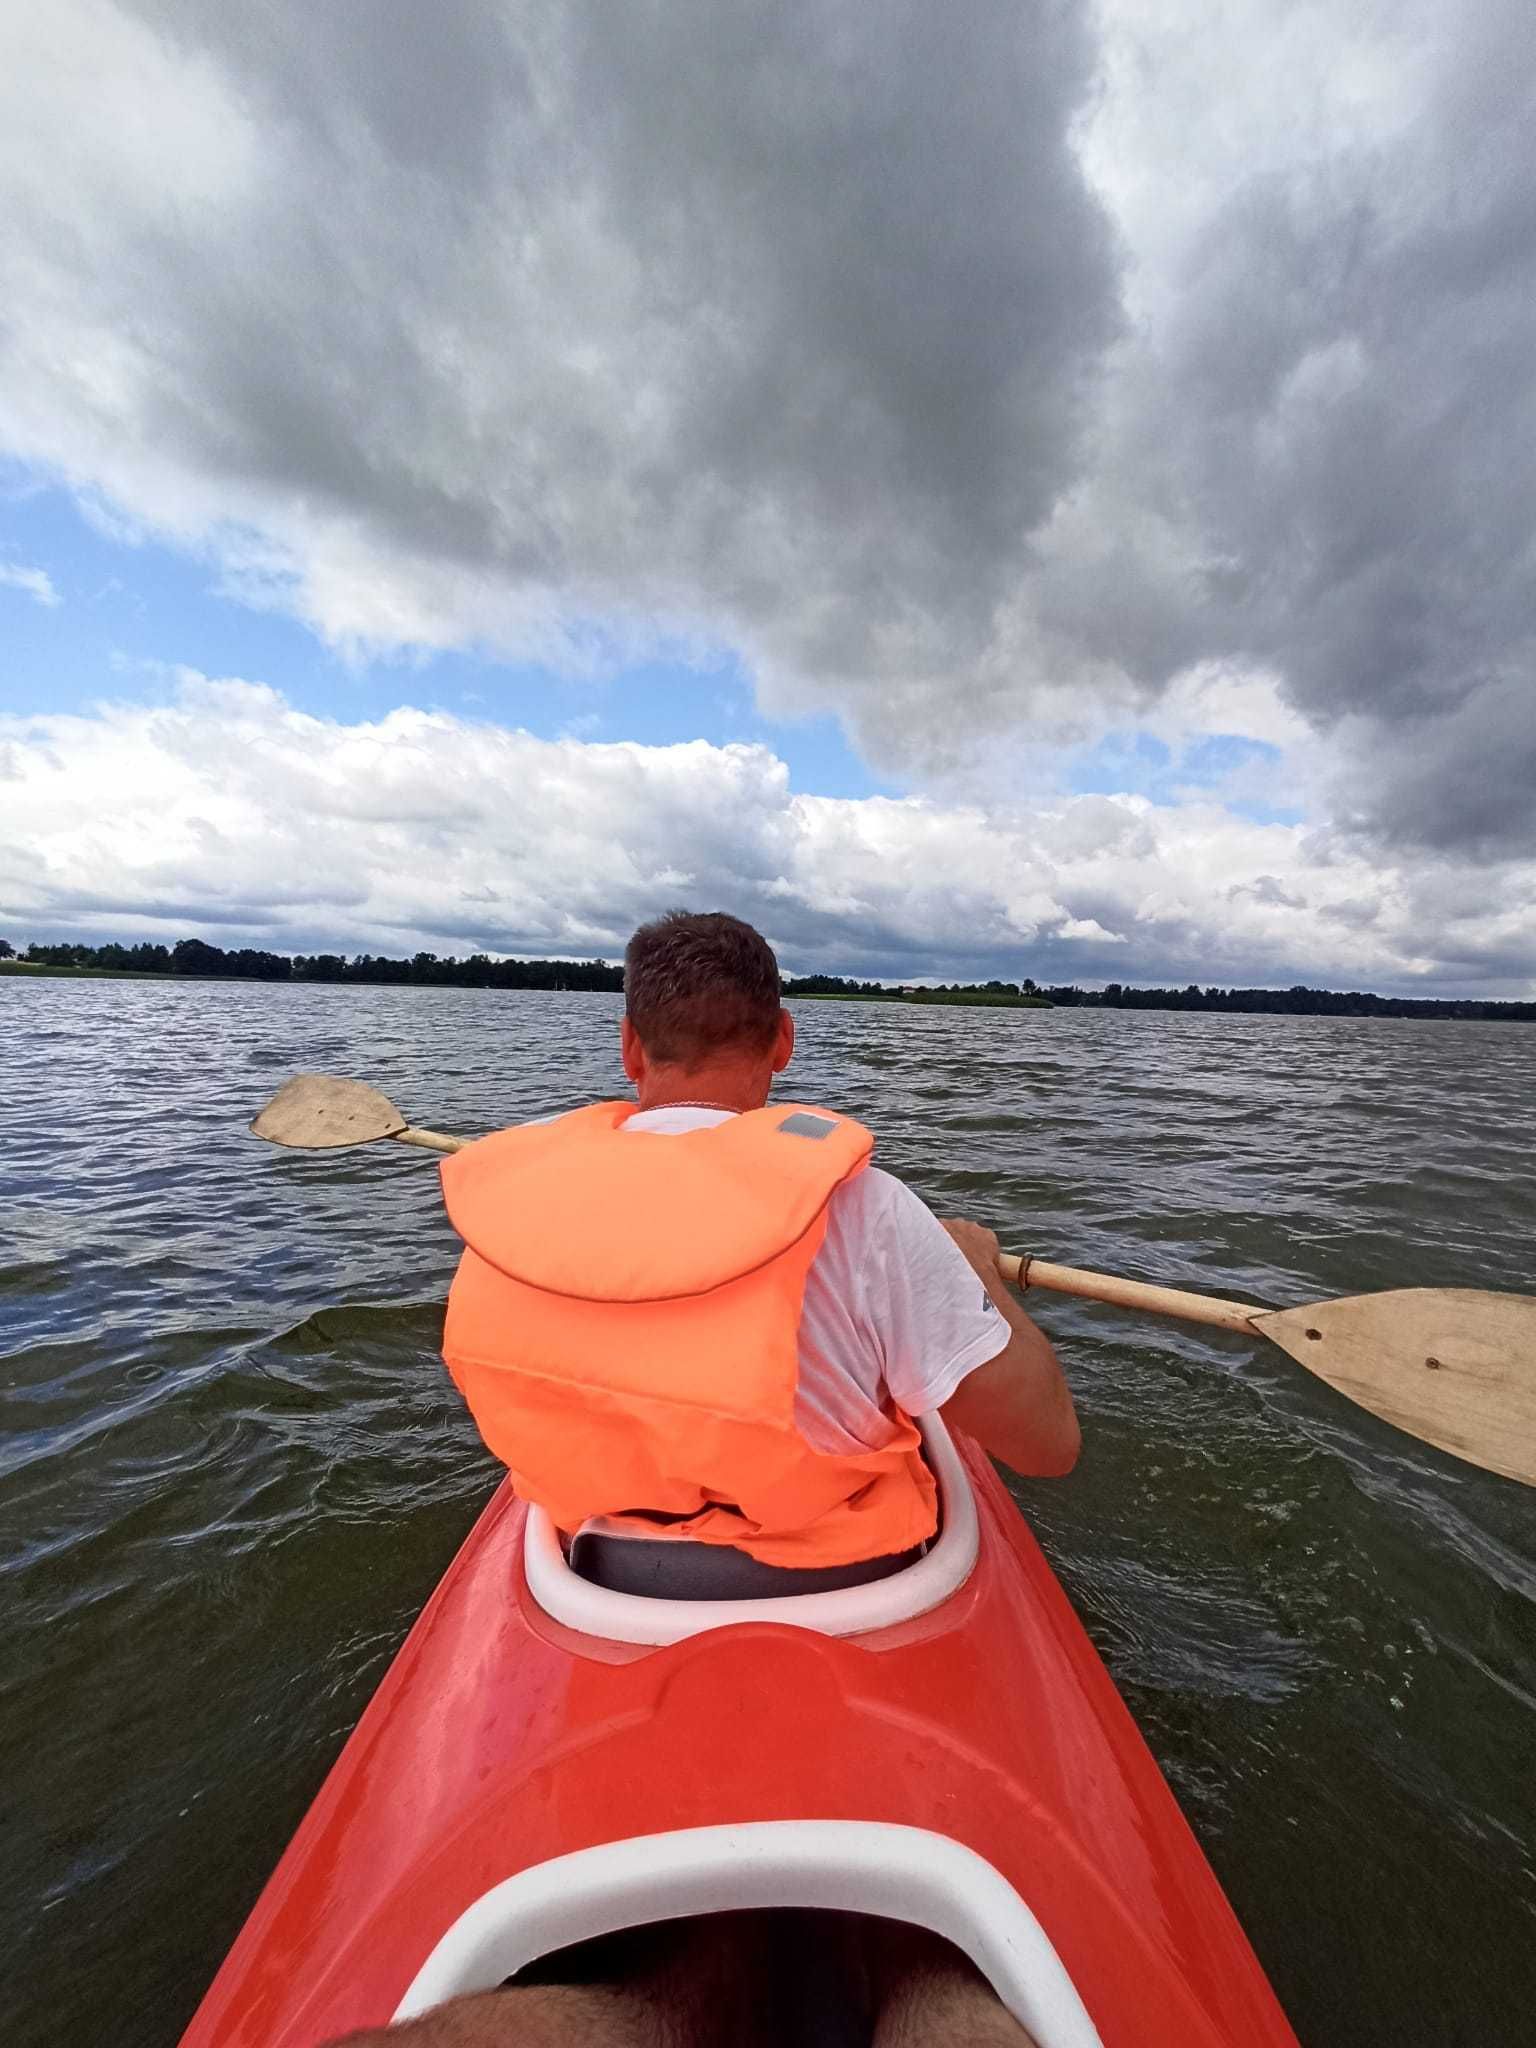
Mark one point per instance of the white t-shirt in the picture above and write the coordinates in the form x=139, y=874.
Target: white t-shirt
x=893, y=1313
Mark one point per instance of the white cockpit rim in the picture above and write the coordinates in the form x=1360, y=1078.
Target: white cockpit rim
x=896, y=1873
x=851, y=1610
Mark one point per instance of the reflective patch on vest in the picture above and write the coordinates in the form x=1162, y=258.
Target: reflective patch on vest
x=803, y=1125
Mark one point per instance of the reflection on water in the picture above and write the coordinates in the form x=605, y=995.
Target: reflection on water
x=232, y=1469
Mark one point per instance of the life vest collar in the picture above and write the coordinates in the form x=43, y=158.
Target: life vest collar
x=579, y=1207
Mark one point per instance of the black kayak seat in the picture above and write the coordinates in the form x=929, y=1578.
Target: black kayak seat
x=663, y=1586
x=673, y=1568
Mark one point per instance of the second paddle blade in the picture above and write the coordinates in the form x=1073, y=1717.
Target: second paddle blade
x=319, y=1112
x=1452, y=1365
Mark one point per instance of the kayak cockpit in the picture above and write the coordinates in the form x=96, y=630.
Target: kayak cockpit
x=854, y=1871
x=759, y=1979
x=626, y=1617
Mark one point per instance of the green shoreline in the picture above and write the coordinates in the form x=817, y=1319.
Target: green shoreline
x=35, y=968
x=961, y=999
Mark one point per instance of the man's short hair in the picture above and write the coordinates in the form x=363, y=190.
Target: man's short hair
x=696, y=983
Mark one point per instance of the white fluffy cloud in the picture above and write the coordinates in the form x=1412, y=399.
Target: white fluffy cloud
x=34, y=583
x=227, y=812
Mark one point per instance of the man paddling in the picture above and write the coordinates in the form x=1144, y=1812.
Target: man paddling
x=701, y=1314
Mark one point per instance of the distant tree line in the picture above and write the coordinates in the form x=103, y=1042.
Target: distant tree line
x=1296, y=1001
x=479, y=970
x=250, y=963
x=840, y=985
x=1279, y=1002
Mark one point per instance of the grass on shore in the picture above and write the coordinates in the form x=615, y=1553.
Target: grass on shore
x=34, y=967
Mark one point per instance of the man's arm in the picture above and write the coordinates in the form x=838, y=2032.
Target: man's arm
x=1018, y=1405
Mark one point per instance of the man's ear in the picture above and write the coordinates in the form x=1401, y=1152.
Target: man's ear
x=784, y=1044
x=631, y=1051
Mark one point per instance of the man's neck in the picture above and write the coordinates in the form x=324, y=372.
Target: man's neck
x=704, y=1088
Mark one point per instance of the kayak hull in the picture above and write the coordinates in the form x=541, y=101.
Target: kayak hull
x=500, y=1739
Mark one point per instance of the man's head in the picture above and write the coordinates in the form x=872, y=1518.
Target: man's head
x=701, y=998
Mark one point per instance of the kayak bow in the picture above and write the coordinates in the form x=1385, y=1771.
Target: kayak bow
x=546, y=1761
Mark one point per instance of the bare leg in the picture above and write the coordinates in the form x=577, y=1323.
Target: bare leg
x=723, y=1981
x=699, y=1992
x=931, y=1996
x=545, y=2016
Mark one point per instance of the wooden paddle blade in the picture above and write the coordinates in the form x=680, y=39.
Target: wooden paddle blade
x=318, y=1112
x=1452, y=1365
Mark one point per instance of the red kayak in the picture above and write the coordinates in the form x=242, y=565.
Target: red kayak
x=547, y=1761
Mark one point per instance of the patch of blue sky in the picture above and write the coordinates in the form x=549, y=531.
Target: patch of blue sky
x=132, y=612
x=128, y=611
x=1122, y=763
x=1259, y=813
x=1135, y=762
x=1217, y=756
x=660, y=702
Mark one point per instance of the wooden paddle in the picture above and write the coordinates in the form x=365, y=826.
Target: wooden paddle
x=1455, y=1366
x=318, y=1113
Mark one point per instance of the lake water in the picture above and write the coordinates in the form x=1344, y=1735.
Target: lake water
x=232, y=1467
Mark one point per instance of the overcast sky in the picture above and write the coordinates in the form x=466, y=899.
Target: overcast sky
x=1006, y=488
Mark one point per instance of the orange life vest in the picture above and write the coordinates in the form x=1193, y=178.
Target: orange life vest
x=624, y=1327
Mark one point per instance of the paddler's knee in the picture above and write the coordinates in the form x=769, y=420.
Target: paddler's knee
x=932, y=1996
x=541, y=2016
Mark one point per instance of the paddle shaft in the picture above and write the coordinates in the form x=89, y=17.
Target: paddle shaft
x=1027, y=1272
x=1139, y=1294
x=430, y=1141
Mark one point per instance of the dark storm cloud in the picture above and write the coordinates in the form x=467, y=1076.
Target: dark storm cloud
x=430, y=86
x=782, y=317
x=1345, y=406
